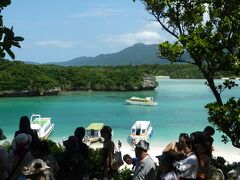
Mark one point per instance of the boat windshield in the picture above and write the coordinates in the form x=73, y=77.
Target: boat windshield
x=138, y=131
x=143, y=131
x=92, y=133
x=133, y=131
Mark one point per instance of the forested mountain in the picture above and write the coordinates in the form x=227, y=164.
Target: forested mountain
x=134, y=55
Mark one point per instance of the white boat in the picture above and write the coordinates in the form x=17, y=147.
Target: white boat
x=147, y=101
x=141, y=130
x=42, y=125
x=93, y=133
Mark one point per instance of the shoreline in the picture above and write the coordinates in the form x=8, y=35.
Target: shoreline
x=230, y=154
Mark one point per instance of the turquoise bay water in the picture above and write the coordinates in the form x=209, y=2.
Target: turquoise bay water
x=180, y=109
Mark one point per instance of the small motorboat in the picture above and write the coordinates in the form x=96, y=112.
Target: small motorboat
x=141, y=130
x=147, y=101
x=93, y=133
x=43, y=125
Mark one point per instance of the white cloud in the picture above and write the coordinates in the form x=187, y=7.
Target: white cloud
x=99, y=12
x=146, y=37
x=153, y=26
x=55, y=43
x=150, y=33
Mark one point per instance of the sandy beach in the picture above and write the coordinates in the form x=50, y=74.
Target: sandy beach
x=230, y=155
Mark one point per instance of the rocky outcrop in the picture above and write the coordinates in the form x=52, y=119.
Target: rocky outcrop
x=14, y=93
x=149, y=83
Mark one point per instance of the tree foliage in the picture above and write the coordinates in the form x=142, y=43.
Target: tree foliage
x=19, y=78
x=210, y=32
x=7, y=36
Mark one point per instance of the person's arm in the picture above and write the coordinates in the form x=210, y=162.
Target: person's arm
x=110, y=154
x=170, y=147
x=186, y=164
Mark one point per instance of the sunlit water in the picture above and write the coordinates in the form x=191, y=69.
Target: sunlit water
x=180, y=109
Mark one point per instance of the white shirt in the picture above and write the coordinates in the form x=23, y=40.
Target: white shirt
x=169, y=176
x=188, y=166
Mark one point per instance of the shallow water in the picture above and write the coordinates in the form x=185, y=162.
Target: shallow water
x=180, y=109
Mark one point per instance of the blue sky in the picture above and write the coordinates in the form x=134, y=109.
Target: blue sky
x=60, y=30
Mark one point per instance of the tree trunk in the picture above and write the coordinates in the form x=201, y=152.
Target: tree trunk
x=212, y=86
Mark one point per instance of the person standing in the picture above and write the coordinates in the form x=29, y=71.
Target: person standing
x=108, y=151
x=25, y=127
x=145, y=168
x=204, y=136
x=83, y=148
x=187, y=167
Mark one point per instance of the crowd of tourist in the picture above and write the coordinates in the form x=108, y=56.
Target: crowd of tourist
x=30, y=158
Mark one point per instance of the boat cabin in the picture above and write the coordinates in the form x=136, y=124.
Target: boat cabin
x=140, y=127
x=141, y=130
x=93, y=132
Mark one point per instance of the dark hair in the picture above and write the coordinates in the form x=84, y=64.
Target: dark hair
x=107, y=130
x=184, y=135
x=210, y=129
x=24, y=124
x=79, y=132
x=168, y=158
x=126, y=156
x=188, y=144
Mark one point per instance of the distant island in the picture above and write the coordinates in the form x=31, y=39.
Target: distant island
x=132, y=69
x=19, y=79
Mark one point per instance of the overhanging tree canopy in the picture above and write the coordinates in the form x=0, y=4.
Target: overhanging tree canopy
x=209, y=31
x=7, y=37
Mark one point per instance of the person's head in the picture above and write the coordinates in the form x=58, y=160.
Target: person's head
x=208, y=131
x=127, y=159
x=187, y=147
x=21, y=143
x=183, y=137
x=79, y=132
x=2, y=136
x=35, y=169
x=71, y=144
x=141, y=149
x=106, y=132
x=166, y=161
x=24, y=124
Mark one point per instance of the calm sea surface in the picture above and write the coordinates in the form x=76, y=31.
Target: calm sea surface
x=180, y=109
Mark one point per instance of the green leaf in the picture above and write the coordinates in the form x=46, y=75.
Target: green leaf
x=10, y=53
x=18, y=38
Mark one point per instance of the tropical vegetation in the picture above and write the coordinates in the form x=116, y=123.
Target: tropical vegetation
x=18, y=79
x=209, y=31
x=36, y=79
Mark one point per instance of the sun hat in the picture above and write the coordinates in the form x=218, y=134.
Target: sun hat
x=34, y=167
x=2, y=136
x=21, y=141
x=143, y=145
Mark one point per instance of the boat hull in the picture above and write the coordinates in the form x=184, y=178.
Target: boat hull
x=48, y=132
x=142, y=103
x=134, y=139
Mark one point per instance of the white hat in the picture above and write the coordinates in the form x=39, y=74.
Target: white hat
x=35, y=166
